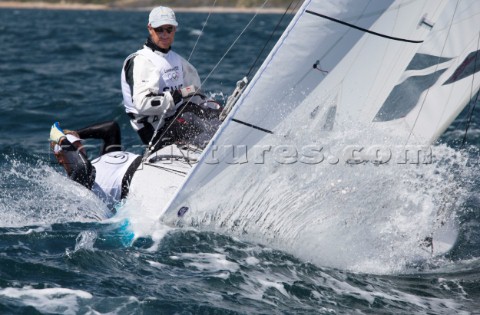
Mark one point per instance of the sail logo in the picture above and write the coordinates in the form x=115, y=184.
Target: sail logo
x=468, y=67
x=421, y=74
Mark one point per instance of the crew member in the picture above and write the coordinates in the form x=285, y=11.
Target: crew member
x=156, y=81
x=109, y=175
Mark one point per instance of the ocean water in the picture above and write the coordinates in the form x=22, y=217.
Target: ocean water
x=57, y=257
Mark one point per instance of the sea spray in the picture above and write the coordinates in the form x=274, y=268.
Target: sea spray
x=34, y=192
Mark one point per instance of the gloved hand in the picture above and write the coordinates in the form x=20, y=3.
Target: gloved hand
x=177, y=96
x=185, y=92
x=189, y=91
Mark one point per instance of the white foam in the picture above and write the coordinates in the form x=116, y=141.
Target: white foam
x=50, y=300
x=252, y=261
x=272, y=284
x=425, y=303
x=30, y=231
x=156, y=264
x=208, y=262
x=258, y=282
x=85, y=240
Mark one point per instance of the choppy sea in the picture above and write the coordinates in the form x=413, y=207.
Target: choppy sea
x=56, y=257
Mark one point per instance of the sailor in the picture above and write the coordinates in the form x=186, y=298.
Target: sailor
x=156, y=81
x=109, y=175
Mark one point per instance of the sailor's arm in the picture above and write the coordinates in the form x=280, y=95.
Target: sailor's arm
x=70, y=154
x=147, y=98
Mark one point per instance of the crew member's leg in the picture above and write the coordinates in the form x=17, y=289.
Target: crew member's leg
x=108, y=131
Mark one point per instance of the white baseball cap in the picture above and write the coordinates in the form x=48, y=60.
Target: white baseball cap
x=71, y=138
x=162, y=16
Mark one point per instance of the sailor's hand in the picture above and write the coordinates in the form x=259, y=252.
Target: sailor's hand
x=189, y=91
x=185, y=93
x=177, y=96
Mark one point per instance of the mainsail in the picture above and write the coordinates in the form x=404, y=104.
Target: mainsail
x=397, y=72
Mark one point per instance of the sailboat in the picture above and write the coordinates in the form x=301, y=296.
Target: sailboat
x=321, y=142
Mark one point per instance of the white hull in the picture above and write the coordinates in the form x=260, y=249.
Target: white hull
x=156, y=181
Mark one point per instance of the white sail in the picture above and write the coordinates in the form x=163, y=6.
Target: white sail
x=332, y=72
x=441, y=78
x=280, y=85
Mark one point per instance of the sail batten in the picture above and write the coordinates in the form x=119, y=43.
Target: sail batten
x=252, y=126
x=364, y=29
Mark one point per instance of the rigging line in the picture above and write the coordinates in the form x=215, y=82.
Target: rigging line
x=171, y=170
x=364, y=29
x=150, y=146
x=474, y=103
x=234, y=42
x=201, y=32
x=269, y=39
x=428, y=90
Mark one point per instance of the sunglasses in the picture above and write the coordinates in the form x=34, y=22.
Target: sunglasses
x=160, y=29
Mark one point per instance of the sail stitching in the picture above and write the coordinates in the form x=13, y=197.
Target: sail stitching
x=364, y=29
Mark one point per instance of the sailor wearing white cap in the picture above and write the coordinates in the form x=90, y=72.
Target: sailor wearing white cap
x=153, y=76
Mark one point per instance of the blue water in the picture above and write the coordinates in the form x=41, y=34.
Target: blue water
x=57, y=258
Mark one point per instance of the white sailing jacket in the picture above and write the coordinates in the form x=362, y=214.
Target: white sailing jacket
x=148, y=82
